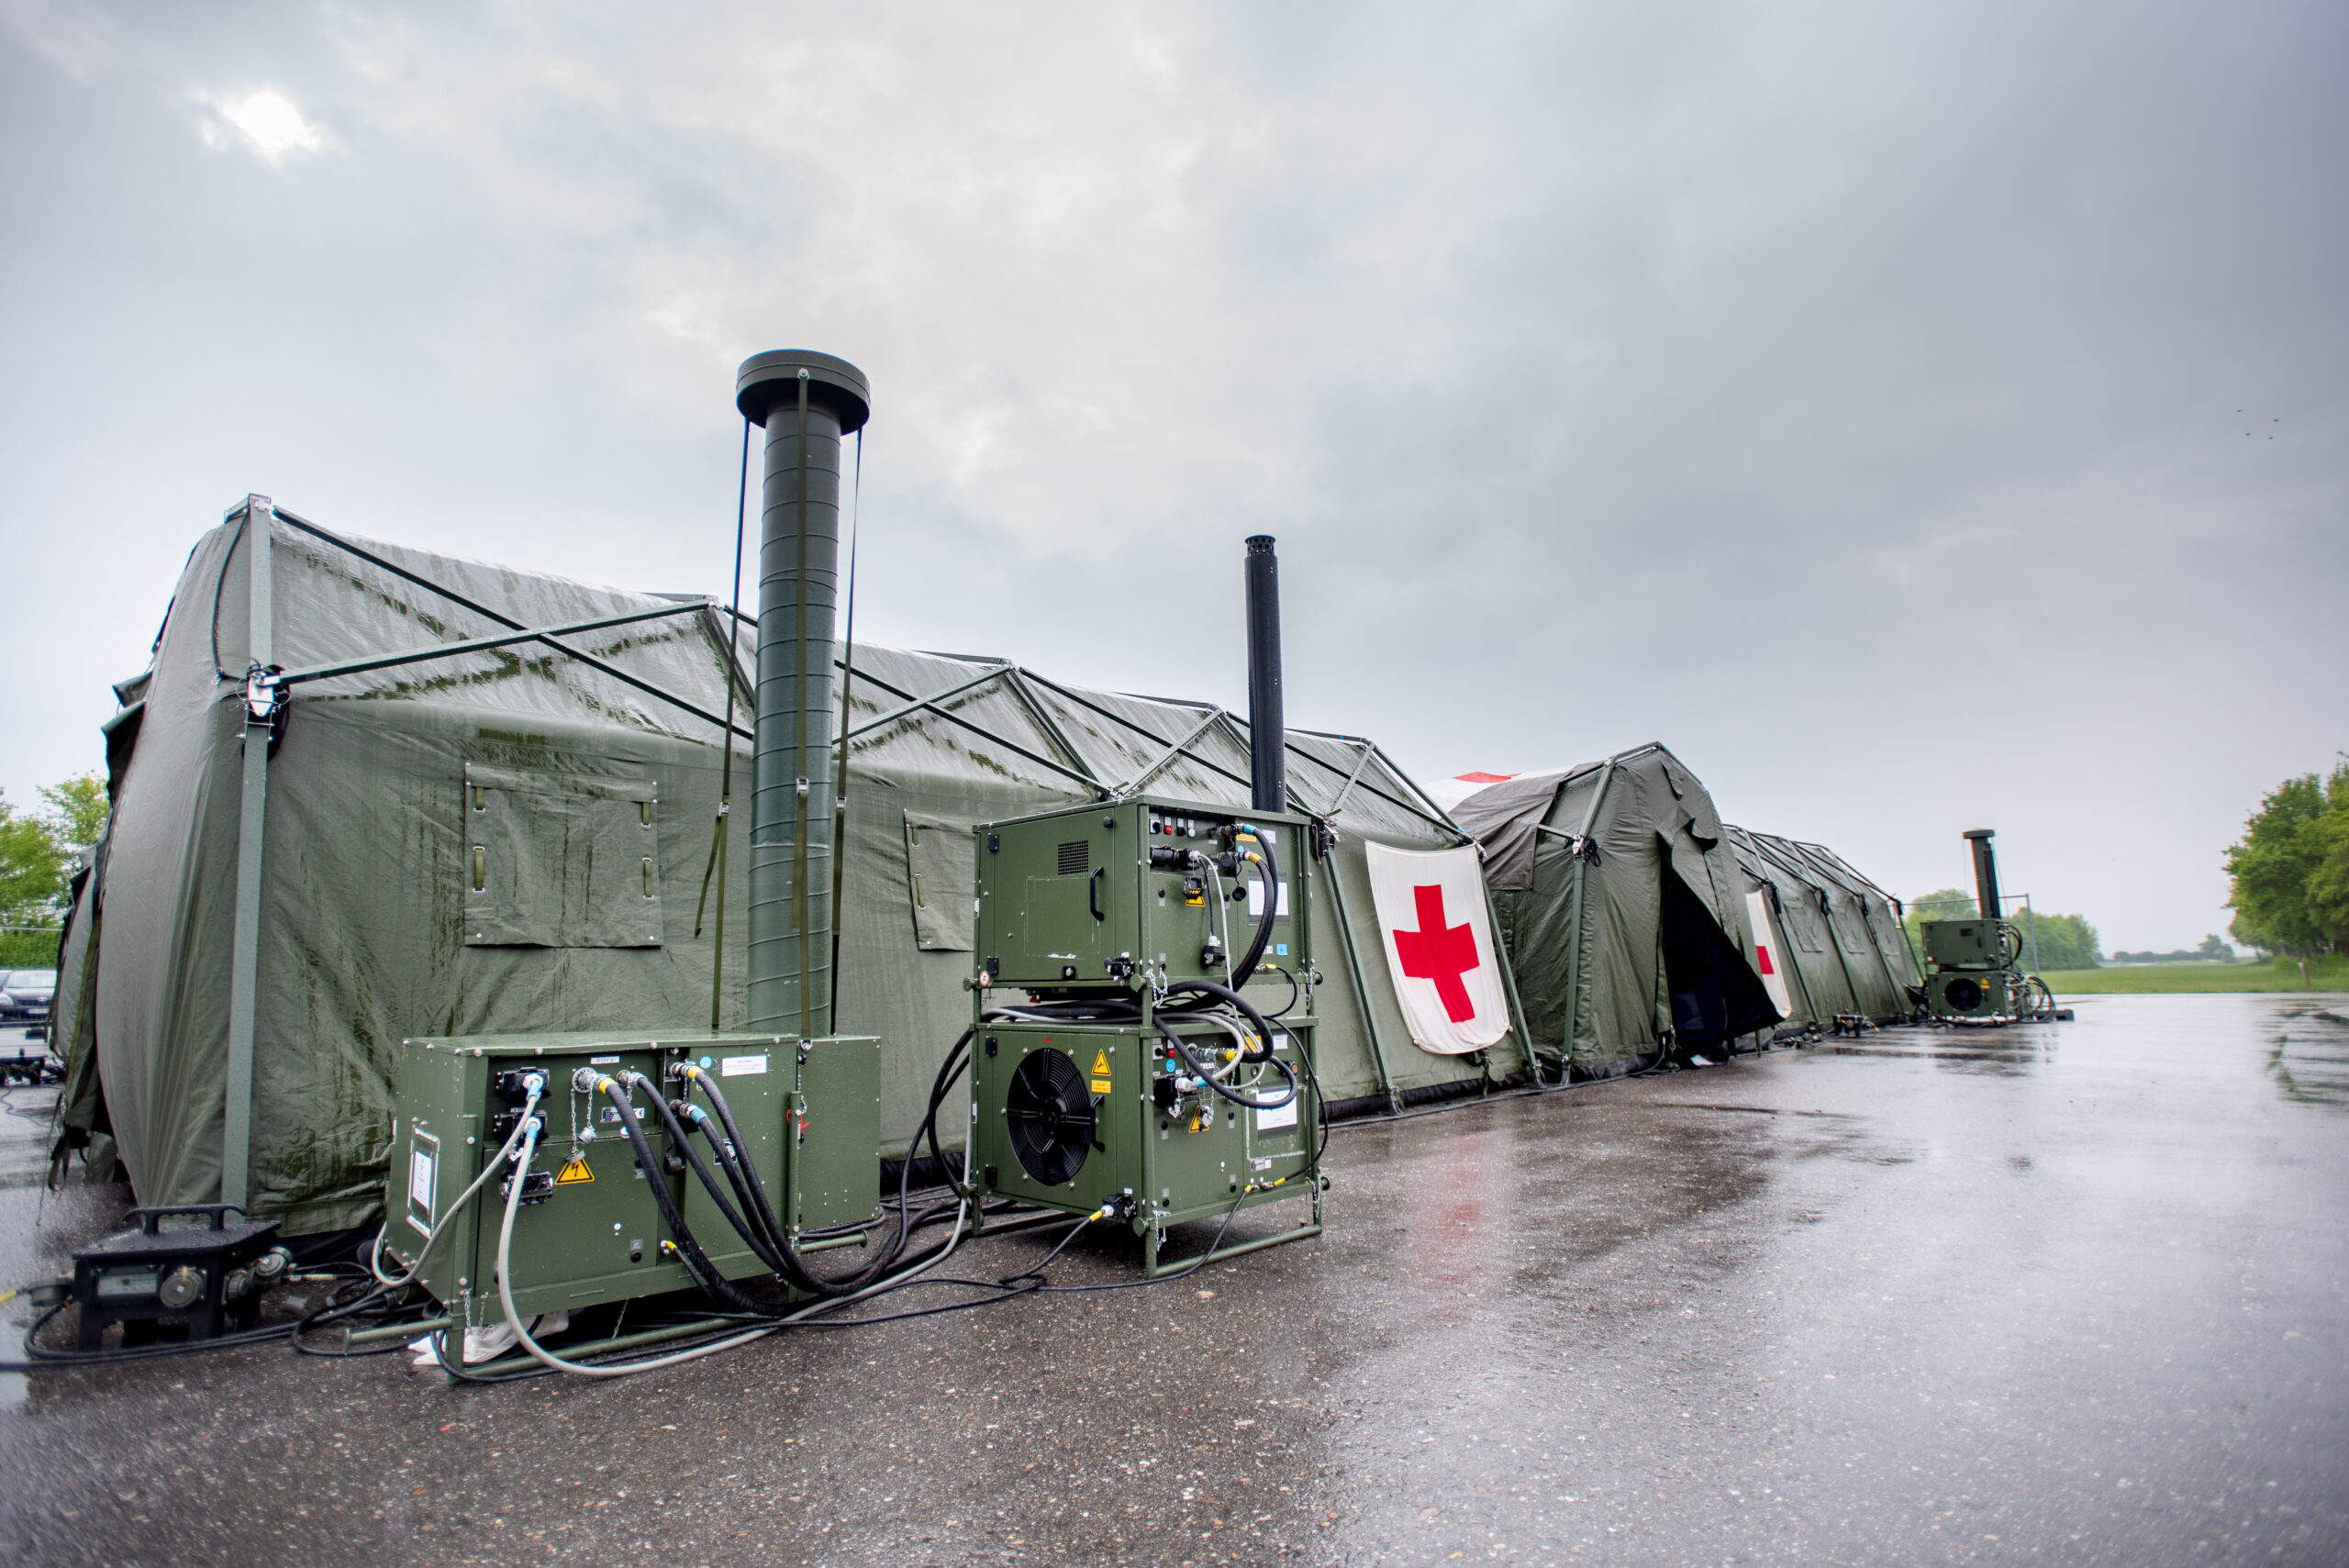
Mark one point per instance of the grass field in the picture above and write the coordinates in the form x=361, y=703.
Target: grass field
x=2282, y=974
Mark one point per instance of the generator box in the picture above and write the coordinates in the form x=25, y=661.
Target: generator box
x=1099, y=910
x=1965, y=944
x=1074, y=1118
x=1115, y=896
x=588, y=1229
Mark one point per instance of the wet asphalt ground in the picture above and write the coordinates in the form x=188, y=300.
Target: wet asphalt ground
x=2066, y=1294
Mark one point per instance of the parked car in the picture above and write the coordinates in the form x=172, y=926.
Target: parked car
x=25, y=996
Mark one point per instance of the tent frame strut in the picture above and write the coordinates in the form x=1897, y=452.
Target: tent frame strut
x=244, y=960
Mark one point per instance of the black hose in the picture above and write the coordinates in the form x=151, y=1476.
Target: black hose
x=697, y=1261
x=776, y=1250
x=1270, y=877
x=1201, y=1071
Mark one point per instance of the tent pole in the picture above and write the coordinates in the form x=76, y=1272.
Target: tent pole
x=1361, y=988
x=244, y=960
x=1575, y=949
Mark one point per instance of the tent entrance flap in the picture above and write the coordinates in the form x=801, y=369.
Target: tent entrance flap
x=1715, y=994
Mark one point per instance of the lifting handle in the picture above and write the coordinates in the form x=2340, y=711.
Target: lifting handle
x=1093, y=892
x=152, y=1220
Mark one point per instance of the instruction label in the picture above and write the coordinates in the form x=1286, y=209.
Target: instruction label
x=574, y=1170
x=736, y=1066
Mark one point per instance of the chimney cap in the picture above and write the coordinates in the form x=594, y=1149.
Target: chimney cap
x=771, y=381
x=1979, y=832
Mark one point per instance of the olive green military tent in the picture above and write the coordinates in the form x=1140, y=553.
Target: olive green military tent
x=1623, y=908
x=488, y=804
x=1850, y=952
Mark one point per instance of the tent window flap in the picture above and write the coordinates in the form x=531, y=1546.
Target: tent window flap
x=557, y=859
x=939, y=869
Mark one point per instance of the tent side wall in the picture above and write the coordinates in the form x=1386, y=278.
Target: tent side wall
x=380, y=923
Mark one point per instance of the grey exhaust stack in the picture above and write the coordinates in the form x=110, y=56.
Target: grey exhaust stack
x=807, y=402
x=1986, y=871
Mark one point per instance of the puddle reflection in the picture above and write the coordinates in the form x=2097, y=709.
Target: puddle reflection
x=2310, y=1059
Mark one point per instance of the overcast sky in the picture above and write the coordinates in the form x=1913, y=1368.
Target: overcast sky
x=1918, y=417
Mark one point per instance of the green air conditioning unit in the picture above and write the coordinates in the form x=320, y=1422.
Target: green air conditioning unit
x=1151, y=1068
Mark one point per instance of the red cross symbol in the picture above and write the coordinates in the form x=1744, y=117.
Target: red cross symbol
x=1440, y=952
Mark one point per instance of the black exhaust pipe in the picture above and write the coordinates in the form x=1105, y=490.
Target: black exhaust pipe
x=1267, y=730
x=1986, y=871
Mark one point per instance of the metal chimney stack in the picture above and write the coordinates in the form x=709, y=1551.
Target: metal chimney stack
x=1986, y=871
x=805, y=401
x=1267, y=729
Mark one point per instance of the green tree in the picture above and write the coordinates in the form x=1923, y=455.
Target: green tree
x=77, y=810
x=2290, y=871
x=32, y=869
x=2065, y=941
x=1942, y=903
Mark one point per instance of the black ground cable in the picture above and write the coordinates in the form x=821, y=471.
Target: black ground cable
x=949, y=1070
x=697, y=1264
x=1184, y=1273
x=1296, y=991
x=39, y=1360
x=1036, y=1272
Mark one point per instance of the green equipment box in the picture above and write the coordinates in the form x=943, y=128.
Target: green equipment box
x=1113, y=896
x=1099, y=910
x=1076, y=1117
x=1969, y=944
x=588, y=1230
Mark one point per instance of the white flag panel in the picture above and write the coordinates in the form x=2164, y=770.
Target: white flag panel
x=1440, y=952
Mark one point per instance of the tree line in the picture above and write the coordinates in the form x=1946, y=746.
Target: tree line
x=2065, y=941
x=39, y=852
x=2289, y=872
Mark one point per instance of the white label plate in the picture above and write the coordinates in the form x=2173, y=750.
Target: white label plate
x=1270, y=1120
x=737, y=1066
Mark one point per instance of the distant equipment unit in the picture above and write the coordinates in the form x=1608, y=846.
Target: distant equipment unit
x=1974, y=967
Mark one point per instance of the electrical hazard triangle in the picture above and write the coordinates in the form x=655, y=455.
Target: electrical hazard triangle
x=1101, y=1064
x=574, y=1170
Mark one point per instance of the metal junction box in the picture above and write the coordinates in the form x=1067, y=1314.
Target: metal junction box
x=1090, y=896
x=1072, y=1118
x=589, y=1230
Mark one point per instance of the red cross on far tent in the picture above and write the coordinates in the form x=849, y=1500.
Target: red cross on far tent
x=1440, y=952
x=1438, y=943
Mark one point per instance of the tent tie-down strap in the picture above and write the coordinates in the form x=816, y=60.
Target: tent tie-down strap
x=527, y=634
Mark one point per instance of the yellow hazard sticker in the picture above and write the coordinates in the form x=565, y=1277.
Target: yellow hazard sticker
x=1101, y=1064
x=574, y=1170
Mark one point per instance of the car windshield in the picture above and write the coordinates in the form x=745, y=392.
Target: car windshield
x=32, y=979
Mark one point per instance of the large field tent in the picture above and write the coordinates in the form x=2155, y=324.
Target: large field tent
x=1623, y=909
x=488, y=804
x=1841, y=935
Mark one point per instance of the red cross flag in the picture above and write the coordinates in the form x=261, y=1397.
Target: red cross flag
x=1769, y=958
x=1438, y=946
